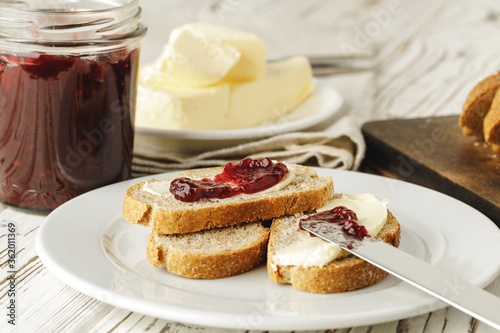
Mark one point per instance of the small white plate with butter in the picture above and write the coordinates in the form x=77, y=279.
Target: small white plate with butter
x=96, y=252
x=322, y=105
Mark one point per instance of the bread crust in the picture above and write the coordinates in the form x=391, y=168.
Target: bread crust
x=343, y=274
x=166, y=215
x=492, y=124
x=477, y=105
x=208, y=264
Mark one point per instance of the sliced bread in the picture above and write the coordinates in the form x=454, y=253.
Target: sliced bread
x=343, y=274
x=477, y=105
x=167, y=215
x=210, y=254
x=492, y=124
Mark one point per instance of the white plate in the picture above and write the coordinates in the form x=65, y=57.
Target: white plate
x=323, y=104
x=88, y=246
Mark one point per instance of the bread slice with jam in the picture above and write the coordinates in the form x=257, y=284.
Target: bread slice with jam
x=345, y=273
x=168, y=215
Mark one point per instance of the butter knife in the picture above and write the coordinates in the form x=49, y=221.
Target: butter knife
x=338, y=64
x=324, y=65
x=447, y=287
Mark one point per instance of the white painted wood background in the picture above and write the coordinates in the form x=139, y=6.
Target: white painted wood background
x=428, y=55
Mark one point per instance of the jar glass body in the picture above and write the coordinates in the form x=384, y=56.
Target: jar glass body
x=67, y=99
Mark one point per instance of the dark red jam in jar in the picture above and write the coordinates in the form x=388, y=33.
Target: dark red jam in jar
x=344, y=217
x=248, y=176
x=67, y=102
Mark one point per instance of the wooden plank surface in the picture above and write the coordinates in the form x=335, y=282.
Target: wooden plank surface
x=432, y=152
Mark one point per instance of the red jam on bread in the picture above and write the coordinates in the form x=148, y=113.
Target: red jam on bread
x=342, y=216
x=248, y=176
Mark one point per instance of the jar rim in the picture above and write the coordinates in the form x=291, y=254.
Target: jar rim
x=10, y=5
x=104, y=22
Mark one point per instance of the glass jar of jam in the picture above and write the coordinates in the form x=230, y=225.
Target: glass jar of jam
x=68, y=73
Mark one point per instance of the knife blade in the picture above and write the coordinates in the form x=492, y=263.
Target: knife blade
x=447, y=287
x=325, y=65
x=338, y=64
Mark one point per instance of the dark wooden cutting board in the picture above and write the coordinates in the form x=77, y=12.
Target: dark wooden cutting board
x=432, y=152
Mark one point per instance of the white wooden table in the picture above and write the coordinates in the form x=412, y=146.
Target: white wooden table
x=429, y=55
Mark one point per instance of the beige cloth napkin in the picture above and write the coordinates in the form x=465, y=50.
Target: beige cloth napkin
x=340, y=145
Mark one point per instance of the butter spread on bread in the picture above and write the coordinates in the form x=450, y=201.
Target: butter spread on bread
x=342, y=274
x=167, y=215
x=310, y=251
x=163, y=187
